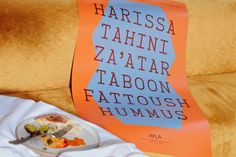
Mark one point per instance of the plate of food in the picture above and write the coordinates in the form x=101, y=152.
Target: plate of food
x=52, y=134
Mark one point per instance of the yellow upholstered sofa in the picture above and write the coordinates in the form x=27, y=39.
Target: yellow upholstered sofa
x=37, y=40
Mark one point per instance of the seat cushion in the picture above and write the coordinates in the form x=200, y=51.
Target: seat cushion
x=215, y=94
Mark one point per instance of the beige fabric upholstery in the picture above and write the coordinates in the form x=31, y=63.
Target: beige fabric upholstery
x=211, y=37
x=37, y=39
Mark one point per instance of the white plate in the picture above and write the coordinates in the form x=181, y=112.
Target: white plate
x=88, y=134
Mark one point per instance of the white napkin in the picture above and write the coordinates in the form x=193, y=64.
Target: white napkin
x=14, y=110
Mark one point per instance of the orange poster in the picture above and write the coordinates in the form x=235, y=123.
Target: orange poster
x=129, y=75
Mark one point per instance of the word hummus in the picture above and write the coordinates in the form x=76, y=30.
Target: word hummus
x=136, y=109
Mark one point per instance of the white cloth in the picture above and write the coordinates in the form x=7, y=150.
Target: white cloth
x=14, y=110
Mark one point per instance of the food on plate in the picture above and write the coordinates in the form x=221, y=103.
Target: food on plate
x=76, y=142
x=56, y=121
x=55, y=118
x=34, y=130
x=43, y=129
x=61, y=142
x=53, y=142
x=47, y=125
x=31, y=129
